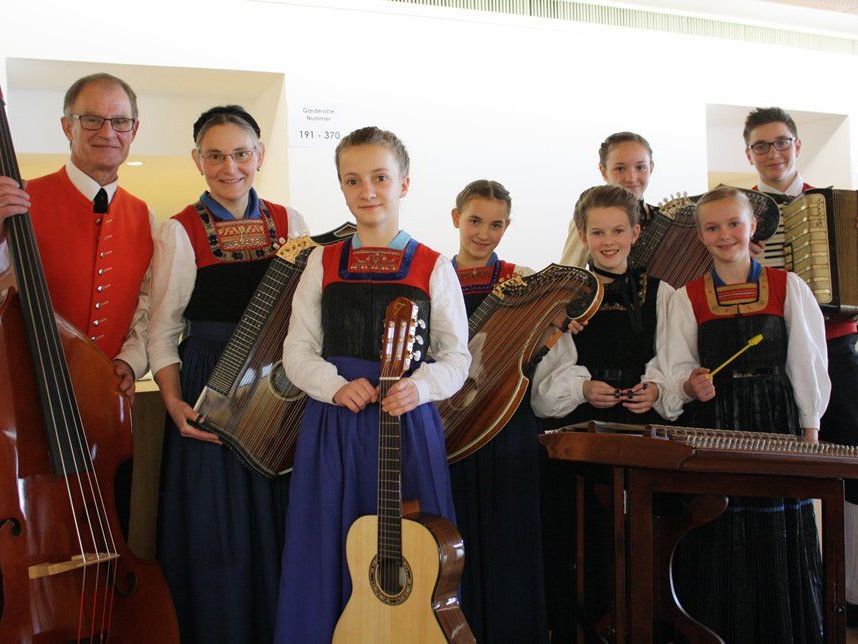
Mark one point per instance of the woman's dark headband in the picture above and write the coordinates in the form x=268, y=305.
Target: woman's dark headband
x=234, y=110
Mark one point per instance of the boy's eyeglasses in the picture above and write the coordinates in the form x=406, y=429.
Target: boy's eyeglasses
x=215, y=157
x=93, y=122
x=762, y=147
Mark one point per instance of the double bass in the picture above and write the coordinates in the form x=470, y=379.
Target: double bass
x=67, y=573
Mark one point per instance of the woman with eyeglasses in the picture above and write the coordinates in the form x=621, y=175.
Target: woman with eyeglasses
x=220, y=533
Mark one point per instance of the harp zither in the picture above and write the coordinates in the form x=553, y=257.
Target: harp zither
x=504, y=332
x=821, y=247
x=669, y=247
x=248, y=401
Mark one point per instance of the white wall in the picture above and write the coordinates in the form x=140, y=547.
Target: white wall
x=524, y=101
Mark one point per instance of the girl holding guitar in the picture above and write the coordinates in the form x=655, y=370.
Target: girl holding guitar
x=331, y=352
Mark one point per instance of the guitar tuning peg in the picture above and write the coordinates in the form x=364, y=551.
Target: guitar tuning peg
x=417, y=356
x=421, y=323
x=419, y=340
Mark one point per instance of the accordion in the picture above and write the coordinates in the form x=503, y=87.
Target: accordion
x=821, y=247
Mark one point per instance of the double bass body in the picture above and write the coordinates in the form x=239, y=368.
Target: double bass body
x=47, y=520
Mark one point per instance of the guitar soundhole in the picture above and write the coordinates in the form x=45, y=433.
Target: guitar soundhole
x=465, y=396
x=281, y=386
x=390, y=580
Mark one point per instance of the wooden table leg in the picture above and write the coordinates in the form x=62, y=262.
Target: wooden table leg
x=641, y=587
x=833, y=554
x=619, y=511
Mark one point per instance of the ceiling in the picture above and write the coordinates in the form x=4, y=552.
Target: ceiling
x=843, y=6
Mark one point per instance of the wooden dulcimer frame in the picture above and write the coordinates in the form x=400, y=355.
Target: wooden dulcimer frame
x=641, y=462
x=248, y=401
x=505, y=331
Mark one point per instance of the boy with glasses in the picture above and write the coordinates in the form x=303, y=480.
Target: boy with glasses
x=772, y=147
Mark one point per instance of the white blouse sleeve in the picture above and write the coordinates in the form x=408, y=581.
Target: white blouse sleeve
x=654, y=371
x=302, y=348
x=558, y=382
x=134, y=348
x=5, y=260
x=174, y=271
x=807, y=354
x=448, y=343
x=680, y=355
x=575, y=251
x=297, y=224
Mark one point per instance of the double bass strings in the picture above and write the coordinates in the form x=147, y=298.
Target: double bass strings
x=59, y=404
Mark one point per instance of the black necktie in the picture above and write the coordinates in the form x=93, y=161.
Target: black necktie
x=99, y=204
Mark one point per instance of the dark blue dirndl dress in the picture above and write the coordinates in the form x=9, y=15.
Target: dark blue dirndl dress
x=220, y=524
x=335, y=478
x=755, y=573
x=497, y=492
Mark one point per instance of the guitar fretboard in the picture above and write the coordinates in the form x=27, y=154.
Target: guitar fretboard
x=389, y=481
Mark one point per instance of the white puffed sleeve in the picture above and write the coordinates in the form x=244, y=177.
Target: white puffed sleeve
x=448, y=342
x=302, y=348
x=297, y=225
x=558, y=382
x=5, y=261
x=807, y=354
x=134, y=348
x=174, y=271
x=679, y=356
x=654, y=371
x=575, y=250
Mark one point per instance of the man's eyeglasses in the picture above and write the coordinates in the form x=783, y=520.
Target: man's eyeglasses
x=781, y=144
x=92, y=122
x=216, y=157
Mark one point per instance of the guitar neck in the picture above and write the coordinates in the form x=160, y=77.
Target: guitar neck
x=389, y=481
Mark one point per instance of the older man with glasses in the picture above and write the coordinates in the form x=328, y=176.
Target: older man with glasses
x=95, y=239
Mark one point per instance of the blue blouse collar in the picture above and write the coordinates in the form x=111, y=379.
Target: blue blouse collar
x=753, y=274
x=397, y=243
x=221, y=213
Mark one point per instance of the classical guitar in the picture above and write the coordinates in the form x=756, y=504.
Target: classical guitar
x=405, y=570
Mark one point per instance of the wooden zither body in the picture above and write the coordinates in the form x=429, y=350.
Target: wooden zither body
x=670, y=249
x=694, y=449
x=504, y=332
x=821, y=247
x=248, y=401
